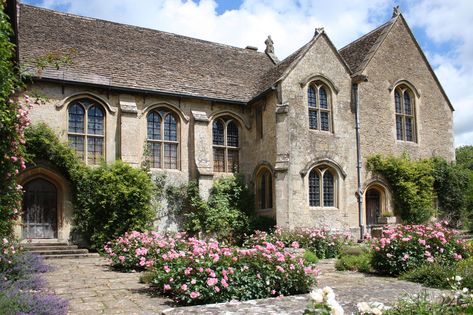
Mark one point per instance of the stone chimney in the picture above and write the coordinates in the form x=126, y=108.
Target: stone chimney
x=270, y=49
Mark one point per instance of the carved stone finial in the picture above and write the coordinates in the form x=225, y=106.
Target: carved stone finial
x=396, y=11
x=270, y=49
x=269, y=45
x=318, y=30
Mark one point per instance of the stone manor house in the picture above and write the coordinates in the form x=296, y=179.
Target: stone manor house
x=299, y=130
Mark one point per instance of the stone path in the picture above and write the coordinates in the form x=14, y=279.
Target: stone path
x=92, y=288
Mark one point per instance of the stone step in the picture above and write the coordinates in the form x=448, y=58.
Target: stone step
x=45, y=243
x=71, y=256
x=59, y=251
x=51, y=247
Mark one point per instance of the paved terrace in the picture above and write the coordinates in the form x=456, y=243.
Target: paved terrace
x=93, y=288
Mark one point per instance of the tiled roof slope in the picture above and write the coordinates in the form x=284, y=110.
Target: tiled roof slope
x=131, y=57
x=358, y=53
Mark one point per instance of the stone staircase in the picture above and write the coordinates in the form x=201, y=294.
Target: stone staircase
x=58, y=250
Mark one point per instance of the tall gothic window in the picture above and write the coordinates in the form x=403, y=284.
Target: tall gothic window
x=405, y=114
x=86, y=130
x=322, y=187
x=264, y=189
x=162, y=139
x=319, y=103
x=225, y=141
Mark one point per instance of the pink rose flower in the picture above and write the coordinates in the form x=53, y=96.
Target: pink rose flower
x=194, y=294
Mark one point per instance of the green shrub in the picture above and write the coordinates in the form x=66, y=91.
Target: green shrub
x=354, y=250
x=114, y=199
x=226, y=215
x=192, y=271
x=451, y=184
x=422, y=304
x=322, y=242
x=431, y=275
x=411, y=183
x=405, y=247
x=439, y=276
x=360, y=263
x=310, y=257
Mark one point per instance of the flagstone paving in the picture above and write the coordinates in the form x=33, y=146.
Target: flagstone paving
x=92, y=288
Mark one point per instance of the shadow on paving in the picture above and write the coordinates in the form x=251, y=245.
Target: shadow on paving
x=92, y=287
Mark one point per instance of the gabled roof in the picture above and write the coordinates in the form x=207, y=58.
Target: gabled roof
x=155, y=61
x=283, y=68
x=358, y=53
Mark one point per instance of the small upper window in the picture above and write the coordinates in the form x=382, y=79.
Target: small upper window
x=405, y=114
x=86, y=130
x=319, y=103
x=226, y=148
x=322, y=187
x=162, y=139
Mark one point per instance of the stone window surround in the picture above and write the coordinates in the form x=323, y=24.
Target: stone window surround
x=75, y=100
x=321, y=169
x=226, y=119
x=402, y=89
x=177, y=118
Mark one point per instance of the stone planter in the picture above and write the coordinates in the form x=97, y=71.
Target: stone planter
x=387, y=220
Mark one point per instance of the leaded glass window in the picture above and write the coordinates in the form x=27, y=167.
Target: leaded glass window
x=162, y=139
x=225, y=135
x=322, y=188
x=264, y=189
x=319, y=107
x=405, y=114
x=86, y=130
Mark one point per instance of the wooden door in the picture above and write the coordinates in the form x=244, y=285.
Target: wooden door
x=373, y=206
x=40, y=209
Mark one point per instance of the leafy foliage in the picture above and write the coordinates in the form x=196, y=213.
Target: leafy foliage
x=322, y=243
x=405, y=247
x=113, y=199
x=412, y=185
x=465, y=160
x=13, y=120
x=227, y=215
x=191, y=271
x=451, y=183
x=108, y=200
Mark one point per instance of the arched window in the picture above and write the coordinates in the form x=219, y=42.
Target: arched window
x=86, y=130
x=225, y=135
x=322, y=185
x=264, y=189
x=162, y=139
x=405, y=114
x=319, y=103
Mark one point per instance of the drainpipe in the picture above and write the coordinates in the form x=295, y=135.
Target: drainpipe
x=356, y=80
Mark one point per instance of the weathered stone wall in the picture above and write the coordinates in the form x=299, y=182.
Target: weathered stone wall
x=398, y=58
x=308, y=147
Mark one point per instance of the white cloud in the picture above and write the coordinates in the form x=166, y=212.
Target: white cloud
x=291, y=24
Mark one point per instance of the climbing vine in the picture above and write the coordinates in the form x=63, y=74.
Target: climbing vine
x=412, y=183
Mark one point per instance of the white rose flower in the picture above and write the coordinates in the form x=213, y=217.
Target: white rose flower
x=363, y=307
x=328, y=294
x=317, y=296
x=458, y=278
x=336, y=308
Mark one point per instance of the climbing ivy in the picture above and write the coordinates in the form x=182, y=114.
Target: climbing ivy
x=411, y=183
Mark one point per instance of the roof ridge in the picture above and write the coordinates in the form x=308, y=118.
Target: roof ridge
x=367, y=34
x=141, y=28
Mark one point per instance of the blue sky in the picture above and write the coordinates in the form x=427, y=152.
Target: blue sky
x=441, y=28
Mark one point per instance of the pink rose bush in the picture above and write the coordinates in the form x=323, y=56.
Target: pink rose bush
x=192, y=271
x=323, y=243
x=404, y=247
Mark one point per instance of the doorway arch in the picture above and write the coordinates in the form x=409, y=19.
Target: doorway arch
x=40, y=209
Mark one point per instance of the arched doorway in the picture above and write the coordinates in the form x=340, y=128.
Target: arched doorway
x=40, y=205
x=373, y=206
